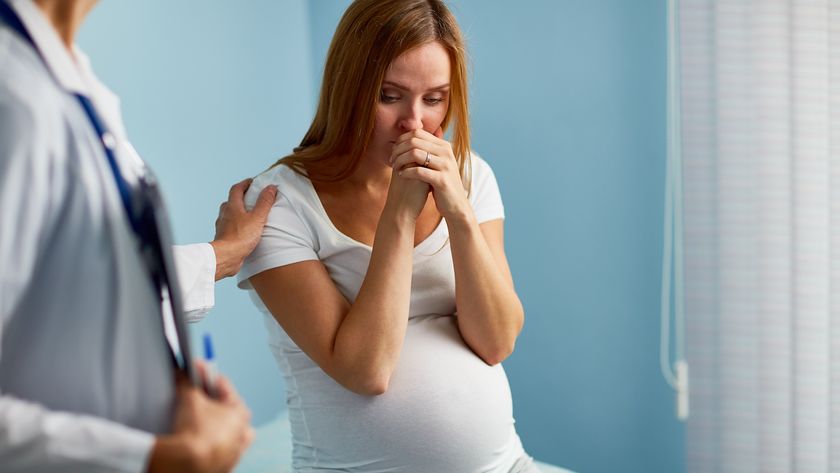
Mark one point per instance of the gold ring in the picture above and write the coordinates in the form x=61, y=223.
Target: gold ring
x=426, y=162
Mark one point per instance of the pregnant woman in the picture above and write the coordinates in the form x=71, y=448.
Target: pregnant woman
x=388, y=297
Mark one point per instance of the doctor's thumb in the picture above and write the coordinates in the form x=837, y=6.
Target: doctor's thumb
x=265, y=201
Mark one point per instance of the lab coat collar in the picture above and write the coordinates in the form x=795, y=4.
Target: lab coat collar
x=71, y=71
x=66, y=70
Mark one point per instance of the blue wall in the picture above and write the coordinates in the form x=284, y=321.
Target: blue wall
x=568, y=103
x=569, y=108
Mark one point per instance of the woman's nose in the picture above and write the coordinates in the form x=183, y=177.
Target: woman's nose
x=412, y=119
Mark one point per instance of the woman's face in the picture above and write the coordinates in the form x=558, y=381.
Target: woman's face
x=415, y=94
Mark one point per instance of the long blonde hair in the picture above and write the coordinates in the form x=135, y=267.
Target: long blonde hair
x=370, y=35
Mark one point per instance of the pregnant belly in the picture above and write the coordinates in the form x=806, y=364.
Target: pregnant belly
x=445, y=411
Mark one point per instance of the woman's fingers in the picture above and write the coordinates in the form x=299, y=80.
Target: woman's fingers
x=417, y=157
x=421, y=139
x=429, y=176
x=413, y=144
x=419, y=133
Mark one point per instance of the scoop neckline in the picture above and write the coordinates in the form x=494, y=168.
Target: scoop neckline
x=323, y=211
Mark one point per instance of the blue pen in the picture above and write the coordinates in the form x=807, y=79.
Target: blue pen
x=211, y=372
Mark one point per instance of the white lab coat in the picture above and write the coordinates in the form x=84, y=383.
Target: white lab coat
x=85, y=375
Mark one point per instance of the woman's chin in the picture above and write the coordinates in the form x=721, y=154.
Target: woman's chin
x=383, y=158
x=380, y=156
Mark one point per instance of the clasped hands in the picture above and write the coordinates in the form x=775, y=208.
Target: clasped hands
x=427, y=157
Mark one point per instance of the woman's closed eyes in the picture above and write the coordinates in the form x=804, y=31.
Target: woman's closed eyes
x=388, y=97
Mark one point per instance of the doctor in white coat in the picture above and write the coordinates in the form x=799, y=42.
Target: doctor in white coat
x=86, y=380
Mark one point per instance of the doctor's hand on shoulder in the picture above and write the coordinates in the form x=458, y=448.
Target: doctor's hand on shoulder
x=238, y=230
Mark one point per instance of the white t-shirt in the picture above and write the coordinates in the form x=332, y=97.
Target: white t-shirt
x=445, y=409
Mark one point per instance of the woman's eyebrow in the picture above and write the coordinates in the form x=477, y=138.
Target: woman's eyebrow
x=402, y=87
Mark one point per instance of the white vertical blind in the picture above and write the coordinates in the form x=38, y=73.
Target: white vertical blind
x=760, y=101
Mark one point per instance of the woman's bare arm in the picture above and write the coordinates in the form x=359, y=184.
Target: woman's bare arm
x=356, y=344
